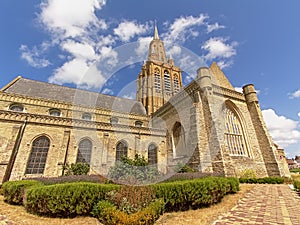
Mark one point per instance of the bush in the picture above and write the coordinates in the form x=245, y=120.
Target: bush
x=265, y=180
x=108, y=214
x=131, y=199
x=73, y=178
x=247, y=174
x=190, y=176
x=297, y=185
x=76, y=169
x=184, y=195
x=63, y=200
x=295, y=170
x=13, y=191
x=184, y=168
x=134, y=170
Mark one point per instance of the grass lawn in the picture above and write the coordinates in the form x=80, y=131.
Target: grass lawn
x=18, y=215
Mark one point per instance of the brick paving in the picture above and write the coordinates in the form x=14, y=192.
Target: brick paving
x=265, y=205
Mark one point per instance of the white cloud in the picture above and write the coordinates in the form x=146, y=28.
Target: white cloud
x=298, y=114
x=295, y=94
x=130, y=95
x=224, y=63
x=79, y=72
x=215, y=26
x=71, y=18
x=107, y=91
x=218, y=48
x=108, y=55
x=182, y=28
x=80, y=50
x=284, y=131
x=143, y=45
x=128, y=29
x=175, y=50
x=33, y=56
x=239, y=89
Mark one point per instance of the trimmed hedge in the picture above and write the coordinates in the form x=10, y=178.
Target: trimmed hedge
x=193, y=194
x=265, y=180
x=79, y=198
x=13, y=191
x=72, y=178
x=108, y=214
x=68, y=199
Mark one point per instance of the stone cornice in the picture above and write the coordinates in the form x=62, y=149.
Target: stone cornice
x=228, y=93
x=191, y=89
x=19, y=117
x=67, y=106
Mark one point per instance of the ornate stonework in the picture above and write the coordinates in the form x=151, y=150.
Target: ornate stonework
x=206, y=124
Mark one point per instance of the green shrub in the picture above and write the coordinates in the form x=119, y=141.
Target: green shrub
x=295, y=170
x=264, y=180
x=247, y=174
x=131, y=199
x=93, y=178
x=76, y=169
x=184, y=168
x=136, y=170
x=13, y=191
x=184, y=195
x=108, y=214
x=68, y=199
x=297, y=185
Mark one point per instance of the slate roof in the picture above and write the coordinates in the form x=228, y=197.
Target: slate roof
x=75, y=96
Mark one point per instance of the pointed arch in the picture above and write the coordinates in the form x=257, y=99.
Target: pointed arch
x=84, y=151
x=152, y=154
x=176, y=84
x=121, y=150
x=157, y=80
x=234, y=135
x=178, y=140
x=38, y=155
x=167, y=82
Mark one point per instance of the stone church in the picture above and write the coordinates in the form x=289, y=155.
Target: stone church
x=206, y=124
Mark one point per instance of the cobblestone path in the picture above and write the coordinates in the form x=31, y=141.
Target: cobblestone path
x=265, y=205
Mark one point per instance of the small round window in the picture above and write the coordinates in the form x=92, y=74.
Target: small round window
x=16, y=107
x=86, y=116
x=55, y=112
x=114, y=120
x=138, y=123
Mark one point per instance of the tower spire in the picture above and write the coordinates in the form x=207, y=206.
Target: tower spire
x=155, y=32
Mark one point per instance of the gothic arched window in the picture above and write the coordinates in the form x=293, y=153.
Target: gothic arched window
x=167, y=82
x=234, y=136
x=176, y=84
x=157, y=79
x=38, y=156
x=178, y=140
x=152, y=154
x=84, y=151
x=121, y=150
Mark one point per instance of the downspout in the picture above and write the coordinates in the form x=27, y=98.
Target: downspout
x=13, y=156
x=66, y=154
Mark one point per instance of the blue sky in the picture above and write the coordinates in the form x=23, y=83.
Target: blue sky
x=257, y=42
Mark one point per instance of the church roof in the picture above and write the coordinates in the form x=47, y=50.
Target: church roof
x=33, y=88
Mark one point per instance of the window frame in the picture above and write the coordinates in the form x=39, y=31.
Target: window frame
x=38, y=155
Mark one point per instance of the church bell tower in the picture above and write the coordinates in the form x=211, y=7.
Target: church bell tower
x=159, y=79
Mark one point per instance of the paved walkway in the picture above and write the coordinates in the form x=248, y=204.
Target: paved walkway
x=265, y=205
